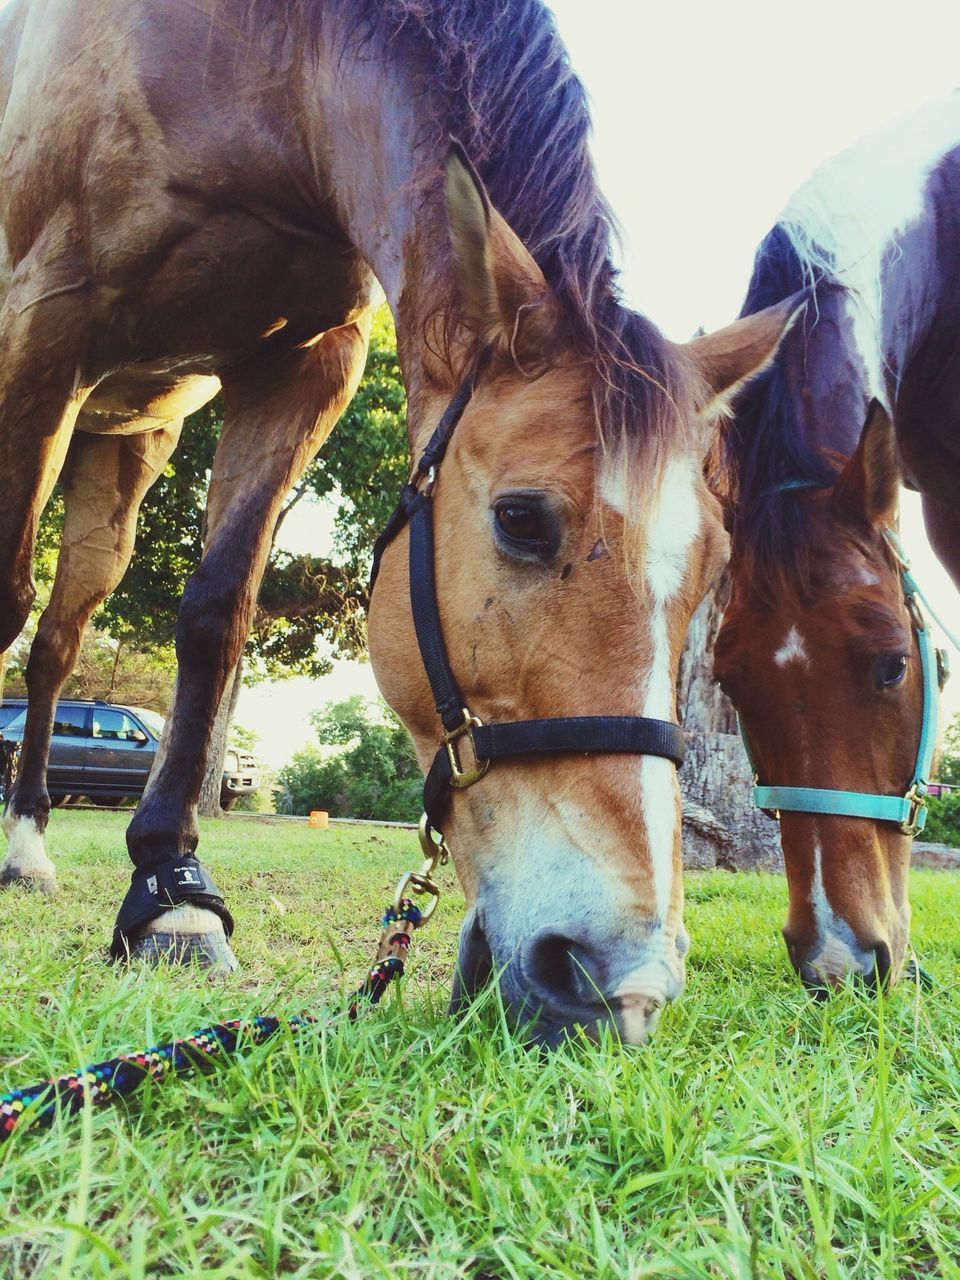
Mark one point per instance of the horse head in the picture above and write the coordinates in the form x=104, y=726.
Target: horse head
x=824, y=665
x=568, y=559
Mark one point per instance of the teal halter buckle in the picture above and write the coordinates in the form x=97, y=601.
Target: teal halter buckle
x=909, y=811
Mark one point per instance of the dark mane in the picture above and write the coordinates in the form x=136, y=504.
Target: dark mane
x=501, y=82
x=769, y=465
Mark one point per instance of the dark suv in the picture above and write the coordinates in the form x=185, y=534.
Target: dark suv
x=105, y=752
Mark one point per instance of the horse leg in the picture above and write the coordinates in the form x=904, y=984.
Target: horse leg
x=104, y=481
x=43, y=327
x=943, y=529
x=276, y=417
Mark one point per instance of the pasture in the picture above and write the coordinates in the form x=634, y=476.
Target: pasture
x=760, y=1134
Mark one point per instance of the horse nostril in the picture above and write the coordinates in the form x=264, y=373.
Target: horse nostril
x=563, y=969
x=813, y=982
x=881, y=969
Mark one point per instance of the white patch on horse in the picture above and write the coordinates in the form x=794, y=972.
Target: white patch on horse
x=612, y=483
x=643, y=992
x=853, y=209
x=792, y=650
x=674, y=525
x=26, y=855
x=835, y=957
x=185, y=919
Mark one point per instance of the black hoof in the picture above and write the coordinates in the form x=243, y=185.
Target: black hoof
x=11, y=876
x=209, y=951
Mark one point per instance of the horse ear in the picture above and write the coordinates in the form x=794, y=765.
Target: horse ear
x=868, y=487
x=504, y=297
x=730, y=357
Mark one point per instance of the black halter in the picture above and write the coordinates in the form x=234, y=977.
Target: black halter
x=569, y=735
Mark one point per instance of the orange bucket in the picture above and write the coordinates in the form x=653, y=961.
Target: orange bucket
x=319, y=818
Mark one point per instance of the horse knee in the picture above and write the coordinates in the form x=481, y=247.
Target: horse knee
x=211, y=623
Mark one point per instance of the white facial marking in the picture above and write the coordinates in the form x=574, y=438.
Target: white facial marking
x=834, y=957
x=674, y=525
x=849, y=215
x=792, y=650
x=644, y=992
x=612, y=484
x=26, y=855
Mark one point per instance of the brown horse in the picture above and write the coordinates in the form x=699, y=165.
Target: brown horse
x=819, y=649
x=202, y=194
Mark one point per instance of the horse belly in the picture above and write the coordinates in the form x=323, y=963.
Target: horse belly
x=168, y=186
x=141, y=399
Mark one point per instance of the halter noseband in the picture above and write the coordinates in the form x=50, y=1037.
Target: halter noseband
x=568, y=735
x=908, y=811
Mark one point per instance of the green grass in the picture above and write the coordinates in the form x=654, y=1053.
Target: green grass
x=759, y=1135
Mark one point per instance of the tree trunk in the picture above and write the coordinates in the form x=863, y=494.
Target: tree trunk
x=721, y=828
x=209, y=803
x=700, y=703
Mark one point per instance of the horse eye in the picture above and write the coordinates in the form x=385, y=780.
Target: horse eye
x=890, y=671
x=525, y=529
x=520, y=523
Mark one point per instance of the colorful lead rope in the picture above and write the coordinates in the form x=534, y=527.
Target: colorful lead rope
x=103, y=1082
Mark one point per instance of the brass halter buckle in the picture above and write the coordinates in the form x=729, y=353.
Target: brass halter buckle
x=918, y=802
x=460, y=777
x=436, y=853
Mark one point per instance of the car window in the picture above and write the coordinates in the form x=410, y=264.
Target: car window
x=70, y=722
x=9, y=713
x=116, y=726
x=151, y=719
x=18, y=720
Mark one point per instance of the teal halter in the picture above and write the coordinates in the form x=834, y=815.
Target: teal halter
x=908, y=811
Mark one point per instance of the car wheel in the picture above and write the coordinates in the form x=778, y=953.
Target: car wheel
x=227, y=802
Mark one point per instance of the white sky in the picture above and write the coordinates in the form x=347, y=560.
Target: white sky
x=707, y=115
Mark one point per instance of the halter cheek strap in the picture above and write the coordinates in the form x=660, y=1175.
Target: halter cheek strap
x=909, y=811
x=570, y=735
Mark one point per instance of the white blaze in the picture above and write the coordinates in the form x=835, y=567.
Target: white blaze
x=834, y=956
x=674, y=525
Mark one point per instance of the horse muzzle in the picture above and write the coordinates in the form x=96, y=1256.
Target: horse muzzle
x=560, y=981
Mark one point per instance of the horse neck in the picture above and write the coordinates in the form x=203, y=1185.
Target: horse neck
x=382, y=155
x=828, y=366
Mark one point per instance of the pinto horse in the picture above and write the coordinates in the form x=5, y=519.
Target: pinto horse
x=201, y=195
x=820, y=646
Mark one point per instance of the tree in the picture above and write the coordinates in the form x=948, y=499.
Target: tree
x=943, y=820
x=948, y=766
x=372, y=774
x=365, y=462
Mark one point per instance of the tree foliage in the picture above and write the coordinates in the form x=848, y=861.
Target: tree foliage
x=364, y=464
x=113, y=670
x=948, y=766
x=372, y=774
x=943, y=819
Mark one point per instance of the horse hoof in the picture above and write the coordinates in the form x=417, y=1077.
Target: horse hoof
x=185, y=935
x=208, y=951
x=36, y=882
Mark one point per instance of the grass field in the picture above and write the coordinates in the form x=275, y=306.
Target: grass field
x=759, y=1135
